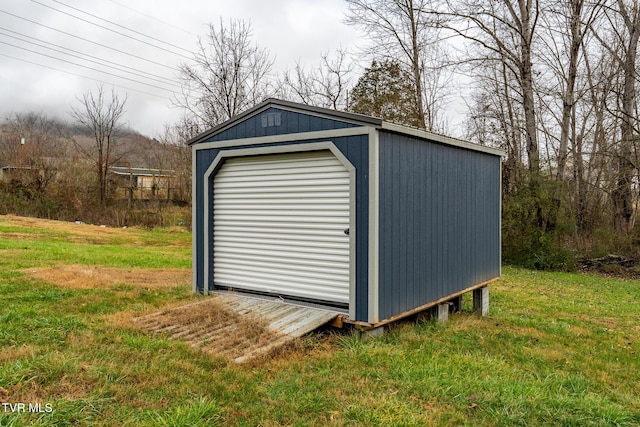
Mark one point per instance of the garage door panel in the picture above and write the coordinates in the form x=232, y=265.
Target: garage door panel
x=321, y=261
x=331, y=271
x=284, y=255
x=265, y=194
x=295, y=240
x=279, y=223
x=259, y=236
x=257, y=210
x=283, y=185
x=275, y=278
x=285, y=250
x=280, y=204
x=287, y=219
x=294, y=176
x=328, y=233
x=313, y=290
x=313, y=228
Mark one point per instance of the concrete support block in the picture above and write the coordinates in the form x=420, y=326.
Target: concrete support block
x=441, y=312
x=372, y=333
x=481, y=300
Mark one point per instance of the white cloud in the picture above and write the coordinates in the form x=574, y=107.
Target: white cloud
x=290, y=29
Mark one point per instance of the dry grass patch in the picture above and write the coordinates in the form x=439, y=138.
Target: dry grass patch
x=209, y=326
x=85, y=233
x=21, y=236
x=89, y=232
x=11, y=353
x=49, y=377
x=83, y=277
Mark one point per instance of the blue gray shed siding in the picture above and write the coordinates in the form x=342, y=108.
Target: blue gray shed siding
x=439, y=221
x=290, y=122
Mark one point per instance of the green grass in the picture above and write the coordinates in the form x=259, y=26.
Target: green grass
x=557, y=349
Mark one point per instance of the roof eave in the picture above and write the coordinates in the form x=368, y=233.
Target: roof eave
x=432, y=136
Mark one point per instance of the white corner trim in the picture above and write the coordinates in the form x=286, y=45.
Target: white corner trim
x=374, y=227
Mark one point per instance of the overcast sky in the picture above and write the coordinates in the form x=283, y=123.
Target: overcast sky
x=38, y=74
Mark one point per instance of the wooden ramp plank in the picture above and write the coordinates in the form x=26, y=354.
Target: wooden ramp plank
x=238, y=327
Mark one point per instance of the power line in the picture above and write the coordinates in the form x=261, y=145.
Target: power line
x=89, y=41
x=122, y=26
x=110, y=29
x=98, y=61
x=89, y=68
x=85, y=77
x=153, y=18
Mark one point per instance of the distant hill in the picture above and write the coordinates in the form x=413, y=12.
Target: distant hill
x=57, y=138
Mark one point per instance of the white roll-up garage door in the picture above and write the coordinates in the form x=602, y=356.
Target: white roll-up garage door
x=279, y=225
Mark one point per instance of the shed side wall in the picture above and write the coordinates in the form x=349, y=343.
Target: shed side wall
x=439, y=221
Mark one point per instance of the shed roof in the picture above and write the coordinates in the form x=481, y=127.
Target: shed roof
x=125, y=170
x=353, y=118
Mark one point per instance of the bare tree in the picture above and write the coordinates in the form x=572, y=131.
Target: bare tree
x=33, y=145
x=565, y=26
x=177, y=155
x=228, y=74
x=101, y=118
x=621, y=41
x=401, y=30
x=568, y=24
x=324, y=86
x=503, y=31
x=496, y=119
x=629, y=11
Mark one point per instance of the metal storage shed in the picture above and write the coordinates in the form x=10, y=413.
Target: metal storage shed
x=342, y=210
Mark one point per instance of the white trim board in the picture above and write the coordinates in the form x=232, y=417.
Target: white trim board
x=289, y=137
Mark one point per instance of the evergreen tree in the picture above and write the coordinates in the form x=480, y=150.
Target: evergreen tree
x=385, y=91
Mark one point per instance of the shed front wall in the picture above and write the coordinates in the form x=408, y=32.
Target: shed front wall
x=354, y=148
x=439, y=221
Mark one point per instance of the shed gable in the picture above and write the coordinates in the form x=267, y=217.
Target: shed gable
x=277, y=121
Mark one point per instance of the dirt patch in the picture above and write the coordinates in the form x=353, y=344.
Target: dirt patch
x=209, y=326
x=84, y=277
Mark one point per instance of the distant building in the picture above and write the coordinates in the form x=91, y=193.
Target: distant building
x=36, y=174
x=143, y=183
x=9, y=173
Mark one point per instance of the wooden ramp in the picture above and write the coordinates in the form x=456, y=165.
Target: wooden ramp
x=235, y=326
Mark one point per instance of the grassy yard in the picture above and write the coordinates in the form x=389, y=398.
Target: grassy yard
x=557, y=349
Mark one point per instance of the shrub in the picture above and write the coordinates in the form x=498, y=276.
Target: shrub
x=526, y=239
